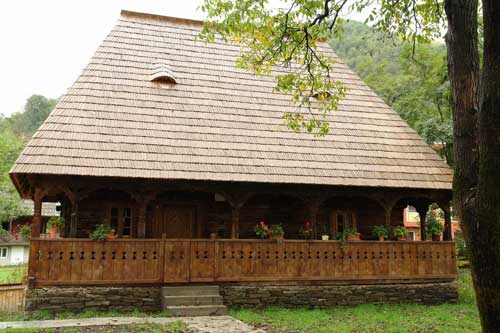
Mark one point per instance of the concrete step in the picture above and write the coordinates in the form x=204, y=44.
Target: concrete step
x=193, y=311
x=190, y=290
x=192, y=300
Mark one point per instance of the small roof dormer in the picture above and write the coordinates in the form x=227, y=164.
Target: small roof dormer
x=162, y=73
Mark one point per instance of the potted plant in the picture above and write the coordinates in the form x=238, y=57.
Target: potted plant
x=274, y=231
x=262, y=230
x=400, y=232
x=381, y=232
x=324, y=232
x=102, y=232
x=434, y=228
x=55, y=225
x=352, y=234
x=306, y=231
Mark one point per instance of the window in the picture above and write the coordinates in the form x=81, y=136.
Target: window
x=341, y=220
x=120, y=219
x=411, y=235
x=3, y=252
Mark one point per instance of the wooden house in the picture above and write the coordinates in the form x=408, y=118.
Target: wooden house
x=162, y=138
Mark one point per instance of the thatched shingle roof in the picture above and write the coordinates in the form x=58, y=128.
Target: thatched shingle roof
x=217, y=122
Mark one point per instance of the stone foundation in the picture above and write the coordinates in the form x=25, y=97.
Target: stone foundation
x=317, y=296
x=75, y=299
x=248, y=295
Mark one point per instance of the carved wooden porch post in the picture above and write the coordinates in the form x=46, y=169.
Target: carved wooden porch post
x=37, y=213
x=235, y=222
x=447, y=222
x=422, y=213
x=236, y=201
x=141, y=224
x=312, y=213
x=73, y=224
x=143, y=199
x=73, y=227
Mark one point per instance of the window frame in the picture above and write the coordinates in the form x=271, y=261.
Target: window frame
x=117, y=221
x=2, y=250
x=334, y=225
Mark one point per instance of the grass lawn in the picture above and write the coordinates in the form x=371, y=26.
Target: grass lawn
x=12, y=274
x=449, y=318
x=175, y=327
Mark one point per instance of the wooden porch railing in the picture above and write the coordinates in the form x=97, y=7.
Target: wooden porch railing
x=146, y=261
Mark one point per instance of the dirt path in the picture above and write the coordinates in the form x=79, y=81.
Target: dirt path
x=218, y=324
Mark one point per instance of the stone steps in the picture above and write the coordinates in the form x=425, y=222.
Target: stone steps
x=188, y=301
x=196, y=310
x=193, y=300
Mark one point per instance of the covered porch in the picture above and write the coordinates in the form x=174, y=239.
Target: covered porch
x=194, y=232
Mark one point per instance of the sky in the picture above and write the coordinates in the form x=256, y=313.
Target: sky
x=44, y=45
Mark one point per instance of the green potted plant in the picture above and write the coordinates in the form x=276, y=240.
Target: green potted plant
x=400, y=232
x=55, y=225
x=434, y=228
x=102, y=232
x=381, y=232
x=276, y=232
x=352, y=234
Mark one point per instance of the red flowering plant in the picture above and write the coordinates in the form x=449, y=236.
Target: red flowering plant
x=306, y=230
x=262, y=230
x=274, y=231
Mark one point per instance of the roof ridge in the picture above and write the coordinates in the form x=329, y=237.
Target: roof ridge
x=129, y=13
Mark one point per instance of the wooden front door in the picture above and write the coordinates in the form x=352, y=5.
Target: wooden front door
x=178, y=221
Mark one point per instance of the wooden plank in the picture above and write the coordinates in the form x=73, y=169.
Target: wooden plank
x=12, y=298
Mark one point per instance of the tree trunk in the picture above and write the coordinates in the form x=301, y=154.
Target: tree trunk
x=477, y=145
x=486, y=237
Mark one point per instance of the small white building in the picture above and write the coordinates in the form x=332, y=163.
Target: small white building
x=13, y=252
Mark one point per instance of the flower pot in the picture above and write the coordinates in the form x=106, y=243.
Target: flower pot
x=276, y=237
x=436, y=238
x=355, y=237
x=111, y=235
x=53, y=232
x=401, y=238
x=325, y=237
x=381, y=238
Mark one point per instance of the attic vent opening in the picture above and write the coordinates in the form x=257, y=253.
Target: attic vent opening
x=163, y=74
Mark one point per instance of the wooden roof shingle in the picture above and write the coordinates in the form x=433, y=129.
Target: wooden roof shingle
x=217, y=122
